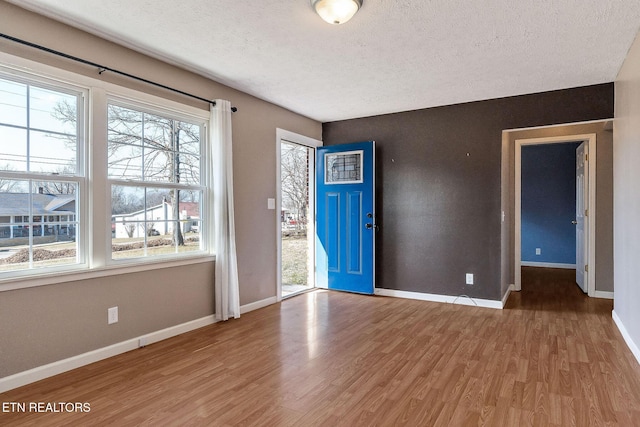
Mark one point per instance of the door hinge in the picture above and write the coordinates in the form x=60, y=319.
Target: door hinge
x=586, y=157
x=586, y=268
x=586, y=212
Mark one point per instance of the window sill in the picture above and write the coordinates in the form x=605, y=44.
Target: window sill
x=54, y=278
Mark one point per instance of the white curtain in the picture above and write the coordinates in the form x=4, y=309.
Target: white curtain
x=227, y=298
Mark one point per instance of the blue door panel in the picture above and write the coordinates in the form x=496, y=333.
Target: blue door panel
x=345, y=217
x=354, y=232
x=332, y=219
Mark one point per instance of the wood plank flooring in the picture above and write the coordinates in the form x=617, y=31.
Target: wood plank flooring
x=552, y=357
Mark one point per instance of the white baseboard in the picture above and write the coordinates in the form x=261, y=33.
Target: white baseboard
x=506, y=294
x=258, y=304
x=463, y=300
x=627, y=338
x=603, y=294
x=548, y=265
x=55, y=368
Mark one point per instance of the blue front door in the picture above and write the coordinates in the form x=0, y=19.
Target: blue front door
x=345, y=217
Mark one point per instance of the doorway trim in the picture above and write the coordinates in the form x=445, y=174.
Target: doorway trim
x=283, y=135
x=590, y=139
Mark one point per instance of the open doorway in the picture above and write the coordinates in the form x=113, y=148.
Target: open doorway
x=585, y=202
x=601, y=251
x=295, y=207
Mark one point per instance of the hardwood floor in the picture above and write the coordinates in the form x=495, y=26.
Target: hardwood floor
x=552, y=357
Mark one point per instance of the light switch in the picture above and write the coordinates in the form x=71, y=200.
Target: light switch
x=271, y=203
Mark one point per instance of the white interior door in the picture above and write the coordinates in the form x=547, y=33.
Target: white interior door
x=581, y=222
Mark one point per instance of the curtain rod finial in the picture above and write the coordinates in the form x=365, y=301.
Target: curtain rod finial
x=233, y=109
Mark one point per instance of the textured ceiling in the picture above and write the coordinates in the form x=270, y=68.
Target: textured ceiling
x=392, y=56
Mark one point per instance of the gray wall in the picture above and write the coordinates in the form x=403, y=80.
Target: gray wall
x=439, y=184
x=48, y=323
x=44, y=324
x=626, y=200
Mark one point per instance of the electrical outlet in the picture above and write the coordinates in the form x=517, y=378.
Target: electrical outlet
x=469, y=278
x=538, y=251
x=112, y=315
x=142, y=342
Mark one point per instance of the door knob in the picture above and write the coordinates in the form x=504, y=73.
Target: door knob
x=368, y=226
x=574, y=222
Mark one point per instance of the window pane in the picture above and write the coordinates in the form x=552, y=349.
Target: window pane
x=343, y=168
x=13, y=103
x=189, y=169
x=125, y=200
x=132, y=243
x=48, y=214
x=39, y=135
x=127, y=204
x=125, y=162
x=124, y=126
x=127, y=221
x=158, y=165
x=158, y=131
x=53, y=111
x=13, y=149
x=190, y=220
x=189, y=138
x=14, y=208
x=52, y=153
x=159, y=212
x=127, y=231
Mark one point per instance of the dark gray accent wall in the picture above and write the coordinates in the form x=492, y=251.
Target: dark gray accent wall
x=438, y=184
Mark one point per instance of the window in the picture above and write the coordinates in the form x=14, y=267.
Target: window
x=80, y=192
x=41, y=174
x=154, y=163
x=343, y=168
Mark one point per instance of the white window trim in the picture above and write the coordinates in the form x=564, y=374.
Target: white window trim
x=95, y=215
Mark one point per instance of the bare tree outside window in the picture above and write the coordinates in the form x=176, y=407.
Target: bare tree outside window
x=7, y=185
x=294, y=165
x=130, y=229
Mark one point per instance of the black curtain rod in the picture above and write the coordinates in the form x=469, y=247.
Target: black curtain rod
x=102, y=69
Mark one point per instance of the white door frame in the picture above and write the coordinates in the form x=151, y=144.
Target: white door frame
x=287, y=136
x=590, y=139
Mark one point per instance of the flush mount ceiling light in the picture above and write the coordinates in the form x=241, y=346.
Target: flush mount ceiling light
x=336, y=11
